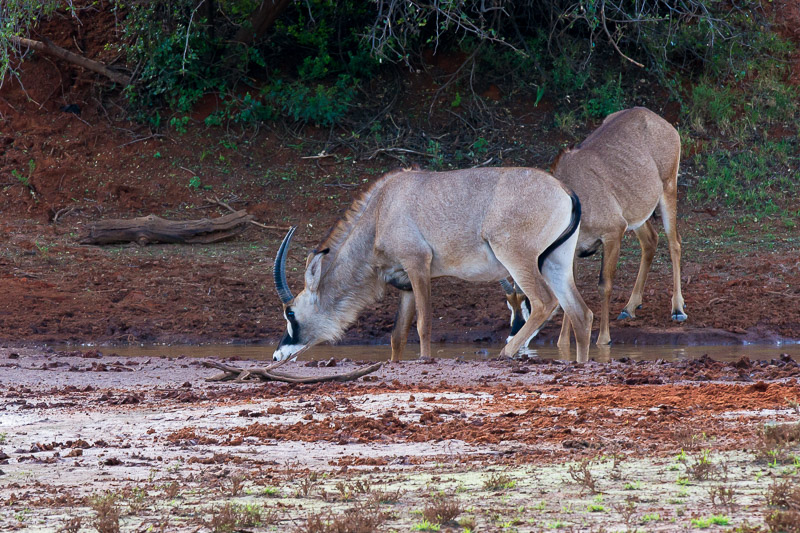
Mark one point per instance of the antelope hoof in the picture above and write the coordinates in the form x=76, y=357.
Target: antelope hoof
x=679, y=316
x=624, y=314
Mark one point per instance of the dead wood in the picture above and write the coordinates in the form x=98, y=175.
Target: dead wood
x=238, y=375
x=217, y=201
x=49, y=47
x=151, y=228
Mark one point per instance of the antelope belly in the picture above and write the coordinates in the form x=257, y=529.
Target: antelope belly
x=480, y=265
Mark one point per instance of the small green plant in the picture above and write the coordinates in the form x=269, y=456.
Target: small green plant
x=776, y=442
x=361, y=517
x=566, y=122
x=714, y=520
x=234, y=484
x=195, y=182
x=442, y=509
x=271, y=492
x=425, y=525
x=539, y=95
x=712, y=104
x=632, y=485
x=307, y=485
x=434, y=150
x=682, y=481
x=107, y=512
x=235, y=516
x=596, y=508
x=605, y=99
x=179, y=124
x=22, y=515
x=387, y=496
x=137, y=500
x=701, y=467
x=73, y=525
x=499, y=481
x=468, y=523
x=23, y=180
x=650, y=517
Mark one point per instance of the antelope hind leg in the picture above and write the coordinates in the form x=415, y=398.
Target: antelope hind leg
x=566, y=328
x=557, y=271
x=648, y=241
x=669, y=215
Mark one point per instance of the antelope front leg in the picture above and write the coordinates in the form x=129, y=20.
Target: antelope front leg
x=537, y=319
x=566, y=330
x=402, y=324
x=607, y=272
x=421, y=285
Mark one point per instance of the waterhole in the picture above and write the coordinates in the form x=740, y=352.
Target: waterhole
x=453, y=351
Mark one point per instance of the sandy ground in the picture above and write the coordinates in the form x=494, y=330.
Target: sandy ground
x=509, y=443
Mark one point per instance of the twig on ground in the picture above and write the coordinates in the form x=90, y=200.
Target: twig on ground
x=404, y=150
x=141, y=139
x=217, y=201
x=64, y=211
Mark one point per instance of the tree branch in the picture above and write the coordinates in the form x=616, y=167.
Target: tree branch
x=48, y=47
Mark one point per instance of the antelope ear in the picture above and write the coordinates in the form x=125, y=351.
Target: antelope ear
x=314, y=272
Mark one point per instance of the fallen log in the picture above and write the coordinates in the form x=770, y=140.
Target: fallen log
x=149, y=229
x=239, y=375
x=49, y=47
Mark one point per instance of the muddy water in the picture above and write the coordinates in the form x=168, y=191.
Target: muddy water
x=453, y=351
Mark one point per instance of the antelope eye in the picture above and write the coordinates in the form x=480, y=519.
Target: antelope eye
x=289, y=313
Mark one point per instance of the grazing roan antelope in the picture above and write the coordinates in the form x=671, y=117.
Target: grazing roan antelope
x=624, y=170
x=411, y=226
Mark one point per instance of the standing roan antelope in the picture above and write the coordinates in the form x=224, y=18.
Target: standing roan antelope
x=408, y=227
x=621, y=172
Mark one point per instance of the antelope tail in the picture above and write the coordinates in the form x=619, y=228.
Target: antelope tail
x=573, y=225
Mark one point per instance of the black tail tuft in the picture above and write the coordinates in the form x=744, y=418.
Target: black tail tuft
x=573, y=225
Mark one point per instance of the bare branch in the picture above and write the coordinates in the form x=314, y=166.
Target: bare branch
x=239, y=375
x=48, y=47
x=611, y=39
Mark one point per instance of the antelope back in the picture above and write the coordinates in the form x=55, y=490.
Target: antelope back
x=621, y=169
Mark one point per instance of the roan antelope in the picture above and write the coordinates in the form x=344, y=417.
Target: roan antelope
x=624, y=170
x=411, y=226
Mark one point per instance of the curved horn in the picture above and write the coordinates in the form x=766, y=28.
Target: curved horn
x=279, y=269
x=507, y=286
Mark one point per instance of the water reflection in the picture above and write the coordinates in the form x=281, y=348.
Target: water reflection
x=454, y=351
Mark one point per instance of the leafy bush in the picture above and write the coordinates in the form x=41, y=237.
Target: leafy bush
x=605, y=99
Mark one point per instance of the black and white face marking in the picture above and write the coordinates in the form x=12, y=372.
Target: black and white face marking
x=292, y=327
x=518, y=321
x=290, y=343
